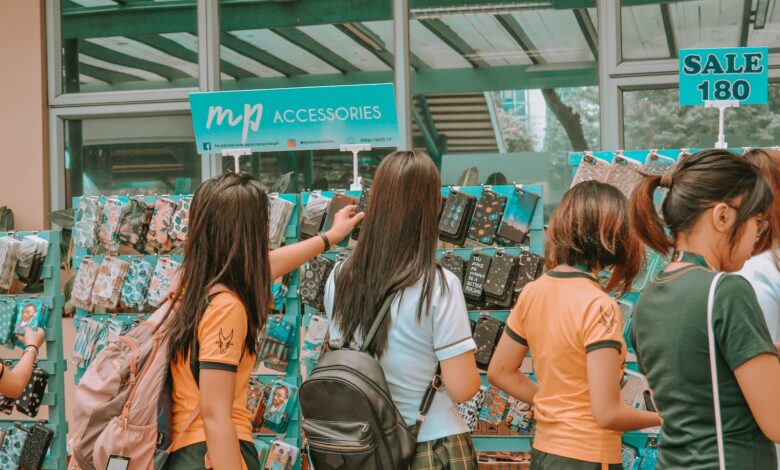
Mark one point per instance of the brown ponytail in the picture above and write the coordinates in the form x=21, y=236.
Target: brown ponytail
x=646, y=222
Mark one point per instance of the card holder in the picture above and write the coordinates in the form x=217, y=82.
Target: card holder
x=339, y=201
x=454, y=264
x=486, y=335
x=312, y=287
x=314, y=215
x=624, y=174
x=362, y=205
x=35, y=447
x=456, y=217
x=476, y=273
x=487, y=217
x=591, y=168
x=503, y=268
x=518, y=215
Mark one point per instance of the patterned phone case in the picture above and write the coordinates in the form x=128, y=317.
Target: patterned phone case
x=30, y=314
x=339, y=202
x=632, y=387
x=314, y=338
x=520, y=416
x=502, y=268
x=181, y=221
x=362, y=205
x=81, y=295
x=454, y=264
x=312, y=287
x=624, y=174
x=11, y=451
x=135, y=224
x=656, y=164
x=282, y=456
x=494, y=406
x=469, y=410
x=456, y=216
x=283, y=399
x=30, y=400
x=630, y=455
x=486, y=335
x=529, y=267
x=279, y=213
x=163, y=281
x=108, y=284
x=519, y=212
x=88, y=216
x=487, y=217
x=136, y=285
x=473, y=286
x=113, y=212
x=257, y=398
x=277, y=340
x=314, y=215
x=591, y=169
x=158, y=237
x=35, y=447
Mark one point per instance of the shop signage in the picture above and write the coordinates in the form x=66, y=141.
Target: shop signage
x=311, y=118
x=729, y=74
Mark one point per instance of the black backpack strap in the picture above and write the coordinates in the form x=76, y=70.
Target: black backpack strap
x=380, y=318
x=427, y=401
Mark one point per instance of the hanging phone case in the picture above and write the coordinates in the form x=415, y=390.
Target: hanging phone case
x=529, y=267
x=108, y=283
x=503, y=267
x=314, y=339
x=282, y=456
x=494, y=406
x=520, y=416
x=487, y=217
x=81, y=294
x=35, y=447
x=135, y=224
x=180, y=223
x=256, y=401
x=31, y=314
x=312, y=287
x=591, y=168
x=362, y=205
x=456, y=217
x=9, y=255
x=469, y=410
x=31, y=398
x=313, y=215
x=136, y=286
x=476, y=273
x=282, y=400
x=88, y=216
x=158, y=238
x=280, y=212
x=277, y=340
x=486, y=335
x=518, y=215
x=7, y=320
x=163, y=281
x=11, y=451
x=624, y=174
x=340, y=201
x=113, y=211
x=454, y=264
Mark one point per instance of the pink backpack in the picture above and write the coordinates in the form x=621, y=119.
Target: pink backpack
x=122, y=398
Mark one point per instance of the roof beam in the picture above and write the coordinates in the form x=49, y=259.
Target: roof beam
x=455, y=42
x=513, y=28
x=108, y=76
x=108, y=55
x=374, y=44
x=746, y=16
x=305, y=42
x=671, y=42
x=588, y=30
x=259, y=55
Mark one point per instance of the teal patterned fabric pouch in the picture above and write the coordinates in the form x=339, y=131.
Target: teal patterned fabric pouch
x=136, y=285
x=12, y=447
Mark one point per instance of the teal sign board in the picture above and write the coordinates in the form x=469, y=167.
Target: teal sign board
x=729, y=74
x=312, y=118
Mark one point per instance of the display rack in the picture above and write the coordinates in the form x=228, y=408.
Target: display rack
x=54, y=363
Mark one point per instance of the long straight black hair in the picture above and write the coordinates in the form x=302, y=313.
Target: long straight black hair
x=227, y=244
x=397, y=246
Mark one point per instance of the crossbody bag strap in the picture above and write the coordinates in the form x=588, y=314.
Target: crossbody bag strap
x=714, y=371
x=427, y=401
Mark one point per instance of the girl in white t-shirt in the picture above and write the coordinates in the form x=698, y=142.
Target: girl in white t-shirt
x=428, y=321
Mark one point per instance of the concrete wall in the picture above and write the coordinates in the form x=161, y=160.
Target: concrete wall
x=24, y=181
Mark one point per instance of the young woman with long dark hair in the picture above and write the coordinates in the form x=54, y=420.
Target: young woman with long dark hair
x=574, y=331
x=429, y=325
x=218, y=309
x=714, y=212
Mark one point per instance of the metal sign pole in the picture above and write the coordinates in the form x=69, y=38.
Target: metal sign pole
x=357, y=182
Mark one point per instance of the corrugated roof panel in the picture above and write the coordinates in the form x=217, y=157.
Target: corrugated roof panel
x=273, y=43
x=260, y=70
x=87, y=80
x=330, y=37
x=432, y=50
x=556, y=34
x=707, y=23
x=142, y=51
x=643, y=33
x=383, y=29
x=489, y=40
x=140, y=74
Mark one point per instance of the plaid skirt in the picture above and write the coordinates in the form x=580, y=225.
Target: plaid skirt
x=450, y=453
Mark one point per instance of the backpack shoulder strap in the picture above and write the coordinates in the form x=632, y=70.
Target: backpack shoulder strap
x=427, y=401
x=714, y=370
x=380, y=318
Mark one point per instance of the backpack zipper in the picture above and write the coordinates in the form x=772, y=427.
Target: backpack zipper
x=351, y=449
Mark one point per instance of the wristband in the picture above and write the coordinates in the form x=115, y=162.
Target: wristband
x=324, y=238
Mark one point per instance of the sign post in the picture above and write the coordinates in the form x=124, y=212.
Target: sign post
x=350, y=118
x=724, y=78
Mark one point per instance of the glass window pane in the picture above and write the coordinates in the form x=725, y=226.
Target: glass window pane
x=654, y=119
x=658, y=30
x=110, y=45
x=130, y=155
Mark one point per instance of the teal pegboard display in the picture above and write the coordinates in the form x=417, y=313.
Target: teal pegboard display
x=535, y=245
x=292, y=313
x=54, y=363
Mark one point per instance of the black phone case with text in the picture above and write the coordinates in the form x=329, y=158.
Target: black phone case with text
x=476, y=274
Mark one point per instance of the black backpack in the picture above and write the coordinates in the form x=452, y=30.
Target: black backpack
x=349, y=418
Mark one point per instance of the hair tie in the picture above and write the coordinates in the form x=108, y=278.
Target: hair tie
x=666, y=180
